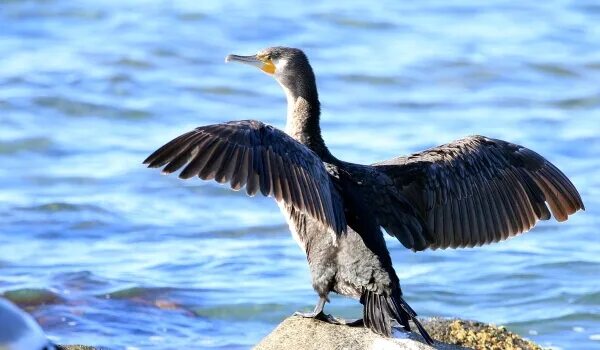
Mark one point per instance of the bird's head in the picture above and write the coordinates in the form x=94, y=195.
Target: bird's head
x=289, y=66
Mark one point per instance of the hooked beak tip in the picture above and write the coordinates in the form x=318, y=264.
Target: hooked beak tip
x=249, y=60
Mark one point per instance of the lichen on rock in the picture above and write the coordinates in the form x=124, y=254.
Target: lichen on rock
x=478, y=335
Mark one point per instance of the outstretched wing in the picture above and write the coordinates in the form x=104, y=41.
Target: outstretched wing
x=260, y=157
x=479, y=190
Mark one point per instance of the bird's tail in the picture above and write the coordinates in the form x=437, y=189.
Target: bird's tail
x=379, y=311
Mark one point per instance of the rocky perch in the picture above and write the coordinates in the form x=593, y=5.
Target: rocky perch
x=303, y=333
x=451, y=334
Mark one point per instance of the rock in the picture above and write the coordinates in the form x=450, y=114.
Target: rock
x=477, y=335
x=31, y=297
x=302, y=333
x=451, y=334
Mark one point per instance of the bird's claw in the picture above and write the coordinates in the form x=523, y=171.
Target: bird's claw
x=321, y=316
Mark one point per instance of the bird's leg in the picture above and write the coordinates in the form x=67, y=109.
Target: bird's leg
x=318, y=313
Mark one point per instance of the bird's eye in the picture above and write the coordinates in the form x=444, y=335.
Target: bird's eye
x=264, y=57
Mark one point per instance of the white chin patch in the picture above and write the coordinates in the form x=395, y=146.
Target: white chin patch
x=280, y=64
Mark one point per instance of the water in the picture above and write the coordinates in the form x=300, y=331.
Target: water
x=106, y=252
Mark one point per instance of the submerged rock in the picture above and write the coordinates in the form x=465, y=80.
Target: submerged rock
x=302, y=333
x=31, y=297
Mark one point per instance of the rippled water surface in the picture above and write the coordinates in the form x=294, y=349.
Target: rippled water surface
x=103, y=251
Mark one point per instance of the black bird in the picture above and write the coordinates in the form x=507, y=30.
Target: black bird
x=467, y=193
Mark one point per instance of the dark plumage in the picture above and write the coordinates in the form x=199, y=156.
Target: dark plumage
x=467, y=193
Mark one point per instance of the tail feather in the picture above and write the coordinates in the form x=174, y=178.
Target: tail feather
x=379, y=310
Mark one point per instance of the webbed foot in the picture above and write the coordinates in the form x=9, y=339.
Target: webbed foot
x=318, y=313
x=321, y=316
x=355, y=323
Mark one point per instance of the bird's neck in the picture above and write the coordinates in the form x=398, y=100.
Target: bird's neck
x=303, y=115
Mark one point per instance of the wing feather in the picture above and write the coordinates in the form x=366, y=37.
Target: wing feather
x=240, y=174
x=480, y=190
x=261, y=158
x=209, y=170
x=198, y=162
x=169, y=151
x=226, y=170
x=252, y=185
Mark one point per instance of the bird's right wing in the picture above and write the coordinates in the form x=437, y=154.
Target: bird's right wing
x=261, y=157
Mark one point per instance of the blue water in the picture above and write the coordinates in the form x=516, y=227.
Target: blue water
x=123, y=257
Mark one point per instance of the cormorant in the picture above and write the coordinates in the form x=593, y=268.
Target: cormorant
x=19, y=331
x=467, y=193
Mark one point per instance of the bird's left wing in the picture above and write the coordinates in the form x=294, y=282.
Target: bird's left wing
x=480, y=190
x=252, y=154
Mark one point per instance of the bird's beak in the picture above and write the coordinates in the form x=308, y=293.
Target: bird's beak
x=266, y=66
